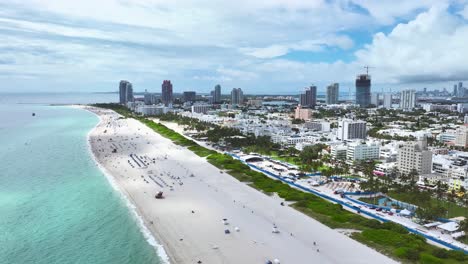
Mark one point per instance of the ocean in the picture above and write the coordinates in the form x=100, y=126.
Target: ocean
x=56, y=206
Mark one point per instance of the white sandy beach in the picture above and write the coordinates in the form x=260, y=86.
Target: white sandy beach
x=188, y=222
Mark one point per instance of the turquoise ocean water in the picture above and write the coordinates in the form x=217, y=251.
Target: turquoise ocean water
x=55, y=204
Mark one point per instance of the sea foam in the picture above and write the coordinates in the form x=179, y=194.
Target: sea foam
x=139, y=219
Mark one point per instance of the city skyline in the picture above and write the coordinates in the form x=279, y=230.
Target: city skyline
x=332, y=90
x=56, y=46
x=277, y=131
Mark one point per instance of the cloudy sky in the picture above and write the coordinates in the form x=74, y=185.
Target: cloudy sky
x=263, y=46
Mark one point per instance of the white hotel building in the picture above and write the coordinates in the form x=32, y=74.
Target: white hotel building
x=415, y=156
x=362, y=151
x=351, y=129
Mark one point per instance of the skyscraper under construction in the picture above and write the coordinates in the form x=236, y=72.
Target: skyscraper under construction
x=363, y=90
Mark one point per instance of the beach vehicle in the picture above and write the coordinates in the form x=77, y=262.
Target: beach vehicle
x=227, y=231
x=225, y=222
x=314, y=183
x=338, y=191
x=159, y=195
x=275, y=230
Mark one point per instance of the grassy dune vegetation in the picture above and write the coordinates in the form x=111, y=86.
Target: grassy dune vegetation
x=389, y=238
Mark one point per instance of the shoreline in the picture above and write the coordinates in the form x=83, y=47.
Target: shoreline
x=149, y=236
x=209, y=242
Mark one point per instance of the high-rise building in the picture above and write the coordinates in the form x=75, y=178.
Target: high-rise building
x=130, y=97
x=462, y=108
x=302, y=113
x=189, y=96
x=461, y=90
x=455, y=90
x=150, y=98
x=363, y=88
x=318, y=125
x=414, y=156
x=333, y=92
x=147, y=98
x=217, y=94
x=351, y=129
x=338, y=152
x=125, y=92
x=407, y=99
x=375, y=97
x=237, y=96
x=166, y=93
x=309, y=97
x=201, y=108
x=362, y=151
x=303, y=99
x=387, y=100
x=461, y=137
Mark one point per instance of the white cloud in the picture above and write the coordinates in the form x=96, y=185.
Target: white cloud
x=316, y=45
x=464, y=12
x=267, y=52
x=386, y=11
x=238, y=43
x=240, y=75
x=432, y=47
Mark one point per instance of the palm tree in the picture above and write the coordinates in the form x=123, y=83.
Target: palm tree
x=465, y=203
x=426, y=181
x=413, y=175
x=451, y=199
x=462, y=199
x=463, y=226
x=439, y=191
x=404, y=180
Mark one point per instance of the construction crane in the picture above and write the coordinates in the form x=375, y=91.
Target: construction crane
x=367, y=67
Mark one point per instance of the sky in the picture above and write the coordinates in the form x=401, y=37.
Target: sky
x=262, y=46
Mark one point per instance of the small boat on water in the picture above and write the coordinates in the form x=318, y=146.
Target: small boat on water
x=33, y=114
